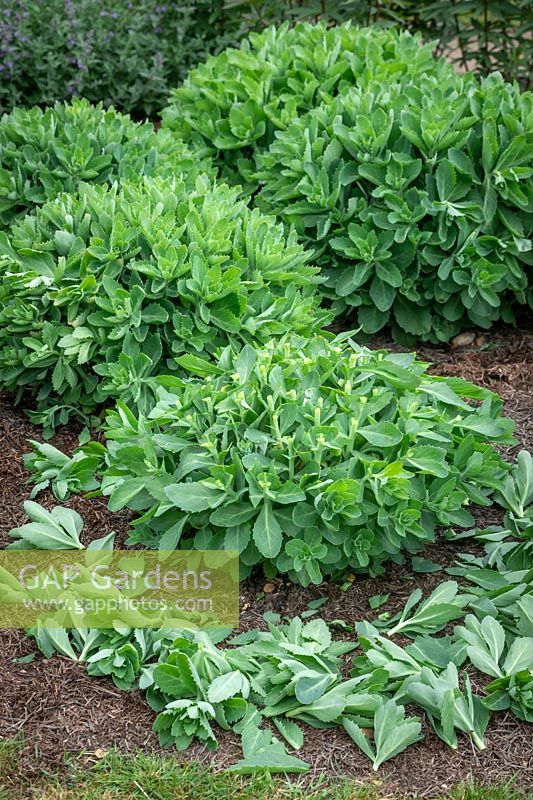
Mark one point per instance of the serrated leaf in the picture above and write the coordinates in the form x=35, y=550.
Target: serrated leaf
x=226, y=686
x=269, y=761
x=291, y=732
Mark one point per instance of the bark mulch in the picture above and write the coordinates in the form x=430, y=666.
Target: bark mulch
x=59, y=710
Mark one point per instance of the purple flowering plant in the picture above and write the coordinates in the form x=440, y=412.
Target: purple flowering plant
x=121, y=53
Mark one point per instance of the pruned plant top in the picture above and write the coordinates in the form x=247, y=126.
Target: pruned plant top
x=308, y=457
x=45, y=153
x=104, y=288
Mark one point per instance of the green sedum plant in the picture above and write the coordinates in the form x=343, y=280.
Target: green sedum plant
x=50, y=468
x=307, y=456
x=290, y=674
x=58, y=529
x=235, y=102
x=416, y=198
x=45, y=153
x=392, y=733
x=449, y=707
x=103, y=289
x=120, y=654
x=513, y=684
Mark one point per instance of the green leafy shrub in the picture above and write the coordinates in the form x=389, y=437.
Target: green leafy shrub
x=236, y=101
x=102, y=289
x=417, y=199
x=44, y=153
x=120, y=654
x=309, y=457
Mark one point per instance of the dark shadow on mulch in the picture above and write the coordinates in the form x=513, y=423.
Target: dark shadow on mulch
x=58, y=709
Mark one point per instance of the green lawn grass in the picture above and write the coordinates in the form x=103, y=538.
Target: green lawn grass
x=140, y=777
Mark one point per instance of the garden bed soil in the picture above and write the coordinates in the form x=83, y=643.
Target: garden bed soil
x=58, y=709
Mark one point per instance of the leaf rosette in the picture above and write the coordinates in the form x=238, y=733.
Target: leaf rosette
x=45, y=153
x=105, y=288
x=235, y=102
x=307, y=456
x=416, y=200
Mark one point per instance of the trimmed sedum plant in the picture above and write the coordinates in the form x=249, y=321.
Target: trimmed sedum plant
x=103, y=289
x=417, y=200
x=236, y=101
x=310, y=457
x=44, y=153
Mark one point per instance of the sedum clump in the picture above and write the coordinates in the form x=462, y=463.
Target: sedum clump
x=308, y=456
x=416, y=199
x=235, y=102
x=103, y=289
x=44, y=153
